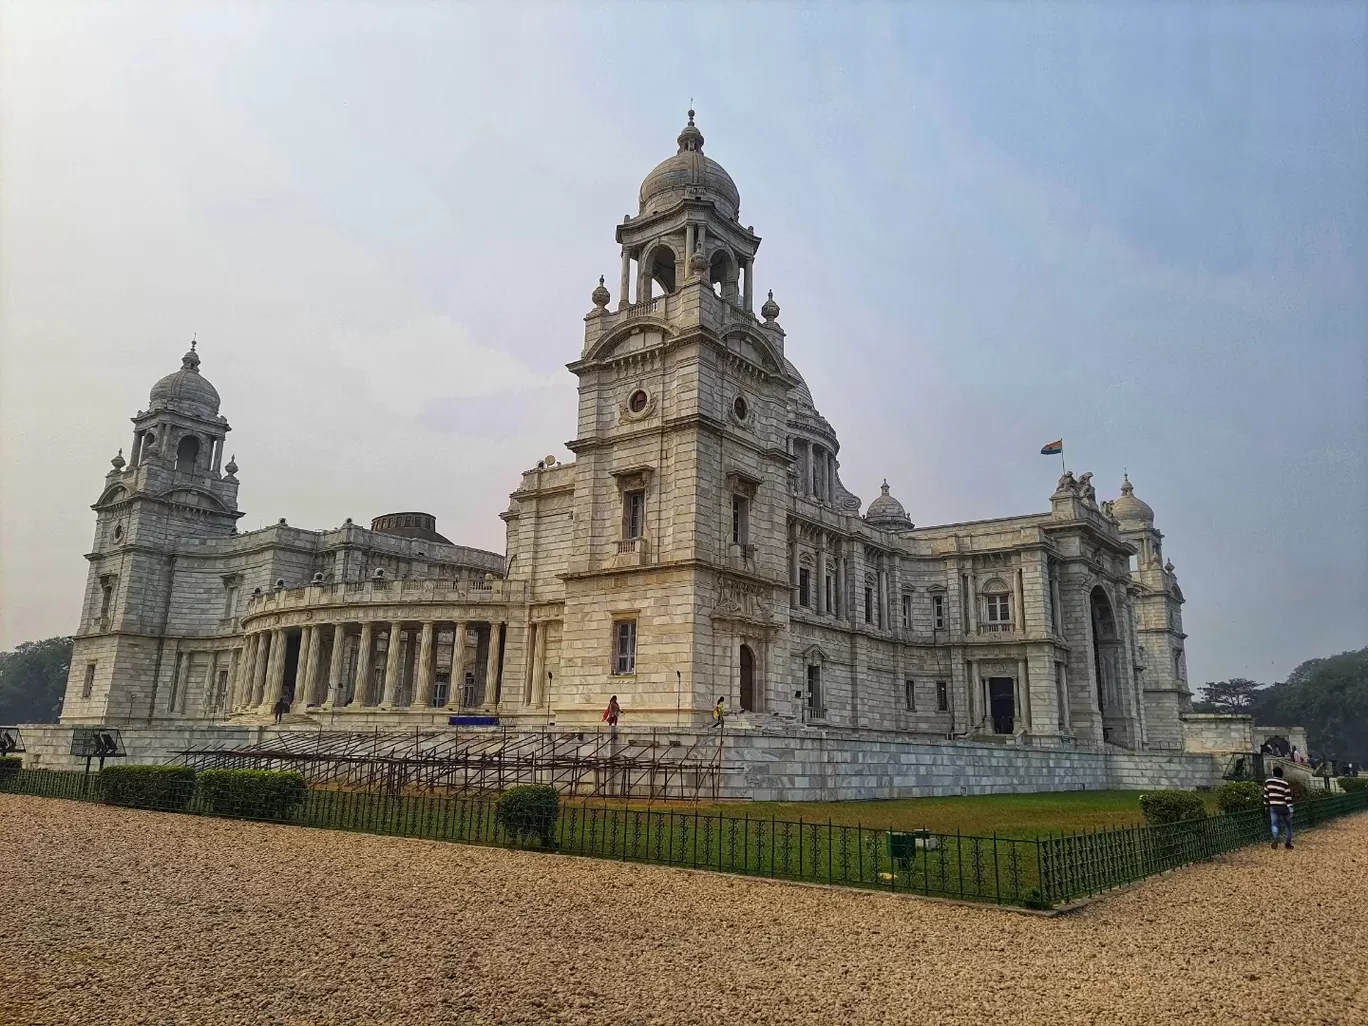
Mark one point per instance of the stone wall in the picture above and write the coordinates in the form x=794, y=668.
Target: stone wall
x=801, y=765
x=1217, y=732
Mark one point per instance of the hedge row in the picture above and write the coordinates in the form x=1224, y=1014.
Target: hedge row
x=10, y=764
x=267, y=794
x=1352, y=784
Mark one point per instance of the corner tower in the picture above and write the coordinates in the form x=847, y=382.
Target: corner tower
x=1159, y=630
x=173, y=487
x=675, y=580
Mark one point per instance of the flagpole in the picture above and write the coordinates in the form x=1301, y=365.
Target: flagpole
x=1061, y=461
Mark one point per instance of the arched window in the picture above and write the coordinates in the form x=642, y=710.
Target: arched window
x=660, y=270
x=722, y=275
x=187, y=453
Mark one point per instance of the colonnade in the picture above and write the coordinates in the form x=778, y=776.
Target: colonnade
x=339, y=682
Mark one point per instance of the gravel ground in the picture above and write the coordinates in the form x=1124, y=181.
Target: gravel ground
x=111, y=916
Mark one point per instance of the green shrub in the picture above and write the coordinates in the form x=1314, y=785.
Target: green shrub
x=1352, y=784
x=1171, y=806
x=1239, y=795
x=147, y=787
x=1300, y=792
x=10, y=764
x=530, y=812
x=253, y=794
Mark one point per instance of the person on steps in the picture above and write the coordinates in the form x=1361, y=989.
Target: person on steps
x=1278, y=801
x=281, y=708
x=719, y=713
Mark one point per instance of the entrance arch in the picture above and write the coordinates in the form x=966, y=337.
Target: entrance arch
x=1106, y=642
x=747, y=679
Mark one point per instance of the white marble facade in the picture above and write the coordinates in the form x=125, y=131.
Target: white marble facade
x=701, y=545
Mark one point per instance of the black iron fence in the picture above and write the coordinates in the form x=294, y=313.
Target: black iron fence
x=1041, y=872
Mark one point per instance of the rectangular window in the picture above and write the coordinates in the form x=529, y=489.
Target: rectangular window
x=814, y=692
x=999, y=609
x=829, y=607
x=221, y=691
x=869, y=605
x=804, y=587
x=907, y=611
x=740, y=520
x=910, y=695
x=633, y=514
x=230, y=601
x=624, y=646
x=938, y=612
x=89, y=685
x=942, y=697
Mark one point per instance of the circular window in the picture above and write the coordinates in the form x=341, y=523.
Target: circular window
x=740, y=408
x=118, y=531
x=637, y=402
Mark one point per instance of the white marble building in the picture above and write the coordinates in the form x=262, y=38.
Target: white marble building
x=701, y=545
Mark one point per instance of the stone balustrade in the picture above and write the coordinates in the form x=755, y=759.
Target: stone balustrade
x=386, y=592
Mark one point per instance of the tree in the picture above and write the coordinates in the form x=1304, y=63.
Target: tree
x=1329, y=697
x=32, y=680
x=1237, y=695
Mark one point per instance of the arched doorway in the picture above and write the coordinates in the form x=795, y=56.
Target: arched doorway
x=1106, y=641
x=187, y=453
x=747, y=679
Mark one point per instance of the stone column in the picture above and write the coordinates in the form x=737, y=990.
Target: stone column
x=749, y=301
x=1019, y=596
x=262, y=657
x=843, y=599
x=364, y=658
x=392, y=665
x=458, y=652
x=1023, y=696
x=539, y=667
x=973, y=603
x=242, y=675
x=275, y=672
x=311, y=675
x=302, y=670
x=334, y=682
x=626, y=278
x=794, y=535
x=820, y=583
x=491, y=681
x=688, y=251
x=422, y=692
x=137, y=450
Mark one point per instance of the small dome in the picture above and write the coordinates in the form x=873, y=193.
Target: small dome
x=886, y=511
x=1129, y=508
x=186, y=389
x=687, y=170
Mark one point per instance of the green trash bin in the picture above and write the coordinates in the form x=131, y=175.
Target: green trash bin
x=903, y=845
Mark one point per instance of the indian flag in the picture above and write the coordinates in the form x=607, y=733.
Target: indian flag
x=1052, y=448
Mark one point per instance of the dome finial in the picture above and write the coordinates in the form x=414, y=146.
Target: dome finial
x=600, y=295
x=231, y=468
x=884, y=487
x=691, y=139
x=118, y=461
x=770, y=310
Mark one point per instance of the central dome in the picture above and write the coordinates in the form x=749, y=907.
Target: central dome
x=186, y=388
x=689, y=173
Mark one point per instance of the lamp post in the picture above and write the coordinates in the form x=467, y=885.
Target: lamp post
x=679, y=699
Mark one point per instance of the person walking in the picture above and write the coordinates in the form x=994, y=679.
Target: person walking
x=281, y=708
x=719, y=713
x=1278, y=801
x=611, y=714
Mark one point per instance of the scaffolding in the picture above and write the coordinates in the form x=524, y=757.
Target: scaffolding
x=654, y=765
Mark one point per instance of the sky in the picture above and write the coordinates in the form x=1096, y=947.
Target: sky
x=1141, y=227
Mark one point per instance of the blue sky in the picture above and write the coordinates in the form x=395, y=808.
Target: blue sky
x=1141, y=227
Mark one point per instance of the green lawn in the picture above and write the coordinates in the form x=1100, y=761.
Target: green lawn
x=1007, y=815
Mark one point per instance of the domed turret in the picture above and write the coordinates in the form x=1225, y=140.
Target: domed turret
x=687, y=173
x=186, y=389
x=1130, y=510
x=886, y=511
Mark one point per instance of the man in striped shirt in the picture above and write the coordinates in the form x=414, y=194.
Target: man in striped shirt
x=1278, y=800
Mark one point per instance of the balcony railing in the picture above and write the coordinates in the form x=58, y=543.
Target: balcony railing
x=995, y=628
x=342, y=593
